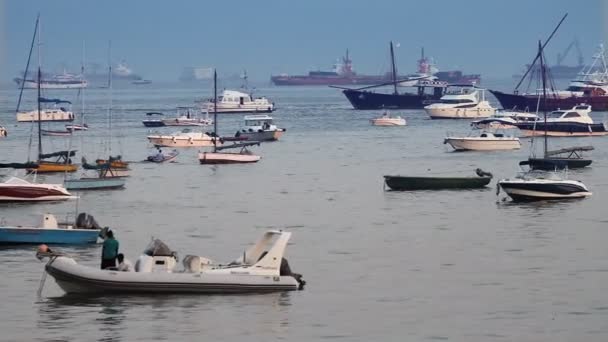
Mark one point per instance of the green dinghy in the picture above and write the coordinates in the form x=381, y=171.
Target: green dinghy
x=404, y=183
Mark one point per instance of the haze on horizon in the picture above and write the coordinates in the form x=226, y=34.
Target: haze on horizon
x=159, y=38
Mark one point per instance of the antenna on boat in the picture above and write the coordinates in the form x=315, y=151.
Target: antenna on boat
x=215, y=110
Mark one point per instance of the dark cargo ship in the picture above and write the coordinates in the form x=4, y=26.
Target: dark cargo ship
x=343, y=74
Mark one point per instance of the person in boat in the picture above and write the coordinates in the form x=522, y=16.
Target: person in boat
x=109, y=251
x=124, y=265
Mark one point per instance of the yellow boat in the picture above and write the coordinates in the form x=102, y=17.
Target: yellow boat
x=62, y=164
x=115, y=162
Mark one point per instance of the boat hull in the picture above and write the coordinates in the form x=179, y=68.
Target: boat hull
x=261, y=136
x=179, y=142
x=476, y=144
x=75, y=278
x=459, y=113
x=20, y=235
x=95, y=183
x=227, y=158
x=46, y=116
x=153, y=123
x=562, y=129
x=551, y=164
x=50, y=167
x=510, y=101
x=402, y=183
x=369, y=100
x=32, y=194
x=527, y=191
x=388, y=122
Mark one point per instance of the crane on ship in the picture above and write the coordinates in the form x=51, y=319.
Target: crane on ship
x=564, y=54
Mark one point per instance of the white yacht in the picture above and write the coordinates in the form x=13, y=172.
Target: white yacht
x=464, y=103
x=504, y=119
x=260, y=128
x=486, y=141
x=187, y=116
x=540, y=185
x=232, y=101
x=565, y=123
x=185, y=138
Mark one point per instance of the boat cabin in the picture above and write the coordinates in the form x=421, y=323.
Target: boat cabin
x=579, y=113
x=257, y=122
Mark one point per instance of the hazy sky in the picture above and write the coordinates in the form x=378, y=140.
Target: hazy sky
x=158, y=38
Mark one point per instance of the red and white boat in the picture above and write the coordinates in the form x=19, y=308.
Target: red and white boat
x=19, y=190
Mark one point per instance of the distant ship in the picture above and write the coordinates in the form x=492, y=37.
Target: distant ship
x=428, y=70
x=60, y=81
x=560, y=71
x=121, y=72
x=342, y=74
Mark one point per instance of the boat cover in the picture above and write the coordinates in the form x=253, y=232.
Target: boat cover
x=55, y=101
x=158, y=248
x=58, y=154
x=570, y=150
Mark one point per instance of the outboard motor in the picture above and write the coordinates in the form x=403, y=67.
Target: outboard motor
x=196, y=264
x=86, y=221
x=157, y=257
x=285, y=270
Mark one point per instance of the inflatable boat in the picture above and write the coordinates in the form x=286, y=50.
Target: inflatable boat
x=261, y=268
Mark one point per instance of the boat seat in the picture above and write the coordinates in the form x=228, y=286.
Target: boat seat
x=195, y=263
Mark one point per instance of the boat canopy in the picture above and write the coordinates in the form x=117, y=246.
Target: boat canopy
x=154, y=113
x=58, y=154
x=158, y=248
x=55, y=101
x=570, y=150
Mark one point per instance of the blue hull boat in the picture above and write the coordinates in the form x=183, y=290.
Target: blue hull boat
x=49, y=231
x=95, y=183
x=20, y=235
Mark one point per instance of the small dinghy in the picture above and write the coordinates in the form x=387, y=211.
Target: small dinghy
x=405, y=183
x=261, y=268
x=84, y=230
x=387, y=120
x=161, y=157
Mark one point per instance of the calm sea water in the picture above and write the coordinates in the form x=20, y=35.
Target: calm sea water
x=380, y=266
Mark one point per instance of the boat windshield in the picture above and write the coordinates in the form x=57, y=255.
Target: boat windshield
x=257, y=122
x=158, y=248
x=457, y=101
x=556, y=115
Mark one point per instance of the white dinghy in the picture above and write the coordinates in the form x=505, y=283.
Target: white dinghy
x=261, y=268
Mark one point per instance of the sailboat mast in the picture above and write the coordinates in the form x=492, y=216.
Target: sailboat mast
x=38, y=98
x=543, y=81
x=27, y=65
x=110, y=98
x=394, y=71
x=215, y=110
x=82, y=80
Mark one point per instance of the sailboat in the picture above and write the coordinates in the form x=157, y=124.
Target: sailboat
x=120, y=168
x=363, y=98
x=218, y=157
x=62, y=162
x=566, y=158
x=82, y=126
x=538, y=185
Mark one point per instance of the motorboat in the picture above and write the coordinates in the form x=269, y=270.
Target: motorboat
x=162, y=157
x=387, y=120
x=186, y=117
x=260, y=128
x=19, y=190
x=49, y=231
x=540, y=185
x=232, y=101
x=153, y=122
x=574, y=122
x=184, y=138
x=467, y=102
x=410, y=183
x=77, y=127
x=485, y=141
x=505, y=119
x=261, y=268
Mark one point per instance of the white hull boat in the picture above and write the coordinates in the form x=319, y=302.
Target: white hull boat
x=53, y=84
x=464, y=104
x=185, y=138
x=260, y=128
x=57, y=115
x=227, y=158
x=3, y=132
x=386, y=120
x=262, y=268
x=485, y=142
x=534, y=186
x=237, y=102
